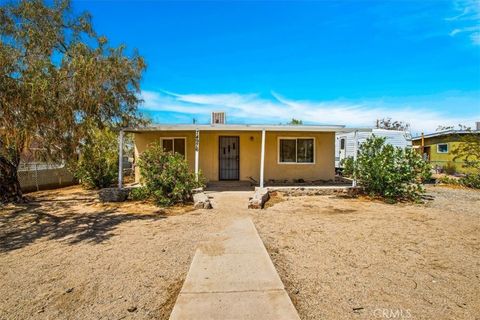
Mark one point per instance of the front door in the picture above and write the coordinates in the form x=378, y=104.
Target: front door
x=426, y=153
x=229, y=158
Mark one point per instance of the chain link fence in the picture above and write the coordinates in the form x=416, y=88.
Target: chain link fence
x=34, y=176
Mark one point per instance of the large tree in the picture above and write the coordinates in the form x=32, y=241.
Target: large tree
x=58, y=78
x=295, y=122
x=389, y=124
x=468, y=149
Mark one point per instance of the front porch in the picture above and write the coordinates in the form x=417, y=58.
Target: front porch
x=248, y=155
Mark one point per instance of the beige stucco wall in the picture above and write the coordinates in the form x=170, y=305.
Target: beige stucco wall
x=250, y=145
x=322, y=169
x=143, y=139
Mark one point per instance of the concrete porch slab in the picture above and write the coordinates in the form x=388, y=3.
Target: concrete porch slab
x=229, y=186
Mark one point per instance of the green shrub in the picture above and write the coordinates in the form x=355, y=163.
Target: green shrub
x=166, y=176
x=471, y=181
x=347, y=164
x=468, y=181
x=390, y=172
x=140, y=193
x=97, y=166
x=448, y=180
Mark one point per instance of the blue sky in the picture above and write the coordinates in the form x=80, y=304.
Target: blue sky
x=342, y=62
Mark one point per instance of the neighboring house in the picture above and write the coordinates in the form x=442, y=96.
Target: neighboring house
x=437, y=148
x=235, y=151
x=345, y=146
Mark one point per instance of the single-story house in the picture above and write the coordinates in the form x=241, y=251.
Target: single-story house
x=246, y=152
x=437, y=147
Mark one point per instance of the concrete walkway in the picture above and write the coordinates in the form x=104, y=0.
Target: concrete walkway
x=232, y=277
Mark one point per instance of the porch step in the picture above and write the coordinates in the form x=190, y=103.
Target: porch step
x=229, y=186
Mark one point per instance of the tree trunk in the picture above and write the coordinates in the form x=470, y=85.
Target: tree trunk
x=10, y=190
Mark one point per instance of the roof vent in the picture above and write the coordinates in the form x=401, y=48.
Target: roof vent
x=218, y=117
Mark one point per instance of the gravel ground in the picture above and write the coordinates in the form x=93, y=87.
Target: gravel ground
x=67, y=256
x=357, y=259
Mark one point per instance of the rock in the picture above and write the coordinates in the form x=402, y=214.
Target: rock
x=132, y=309
x=357, y=309
x=113, y=194
x=259, y=198
x=197, y=190
x=201, y=201
x=69, y=290
x=354, y=191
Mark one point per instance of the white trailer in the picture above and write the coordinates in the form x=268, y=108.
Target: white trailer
x=344, y=142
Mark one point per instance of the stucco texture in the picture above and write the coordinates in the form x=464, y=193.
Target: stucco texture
x=444, y=159
x=250, y=146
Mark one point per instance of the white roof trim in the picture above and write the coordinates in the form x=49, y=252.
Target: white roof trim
x=246, y=127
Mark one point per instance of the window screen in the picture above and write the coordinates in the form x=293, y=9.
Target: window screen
x=176, y=145
x=296, y=150
x=179, y=146
x=167, y=145
x=287, y=150
x=305, y=150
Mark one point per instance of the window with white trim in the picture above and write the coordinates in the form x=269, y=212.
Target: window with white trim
x=296, y=150
x=442, y=148
x=175, y=145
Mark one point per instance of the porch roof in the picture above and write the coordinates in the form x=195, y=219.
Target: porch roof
x=246, y=127
x=445, y=133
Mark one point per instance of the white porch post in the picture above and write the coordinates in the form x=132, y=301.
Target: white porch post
x=262, y=158
x=355, y=151
x=120, y=159
x=197, y=147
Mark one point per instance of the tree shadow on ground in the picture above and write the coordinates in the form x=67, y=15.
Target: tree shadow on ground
x=23, y=224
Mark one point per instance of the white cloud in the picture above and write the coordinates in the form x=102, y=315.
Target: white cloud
x=466, y=29
x=454, y=32
x=475, y=37
x=467, y=20
x=251, y=108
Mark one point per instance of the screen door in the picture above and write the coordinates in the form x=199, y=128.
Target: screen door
x=229, y=158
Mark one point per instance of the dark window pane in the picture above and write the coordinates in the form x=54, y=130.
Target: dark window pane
x=443, y=148
x=305, y=150
x=342, y=144
x=287, y=150
x=167, y=145
x=180, y=146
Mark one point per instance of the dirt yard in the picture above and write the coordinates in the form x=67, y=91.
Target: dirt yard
x=357, y=259
x=67, y=256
